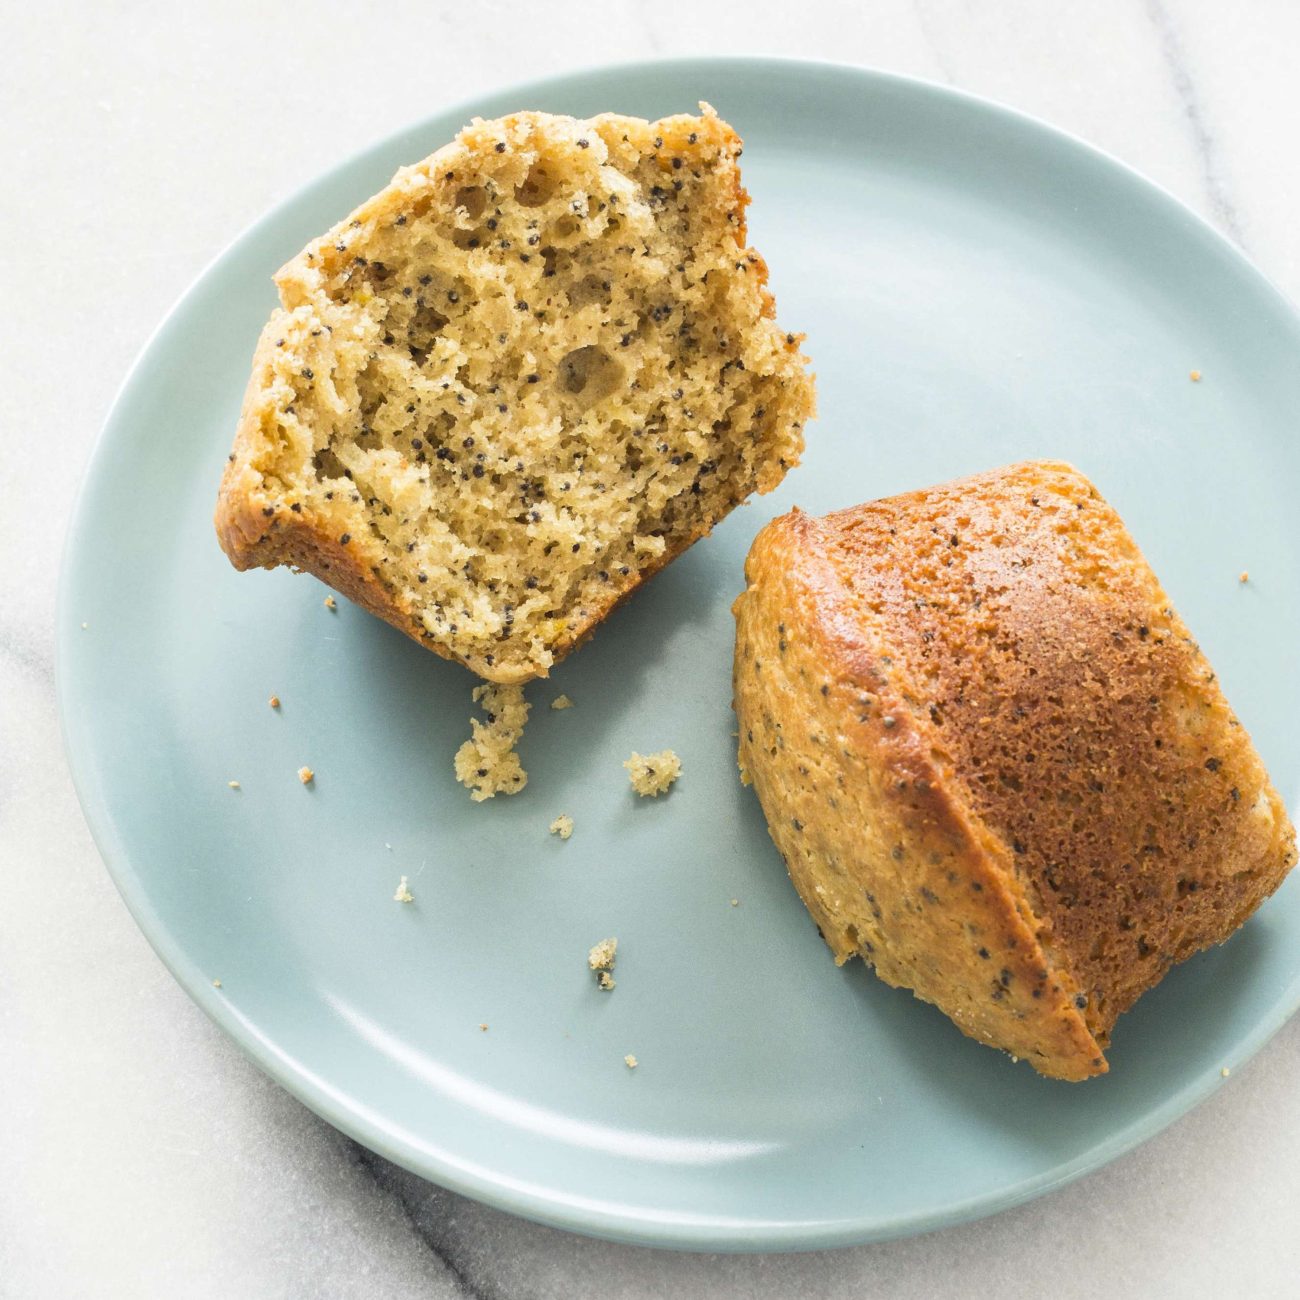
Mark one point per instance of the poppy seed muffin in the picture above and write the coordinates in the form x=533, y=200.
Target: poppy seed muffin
x=517, y=382
x=996, y=763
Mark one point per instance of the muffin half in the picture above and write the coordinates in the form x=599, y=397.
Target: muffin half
x=517, y=382
x=997, y=765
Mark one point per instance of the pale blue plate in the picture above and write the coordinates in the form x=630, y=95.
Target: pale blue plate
x=976, y=288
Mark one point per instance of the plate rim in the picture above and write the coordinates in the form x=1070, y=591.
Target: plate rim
x=350, y=1115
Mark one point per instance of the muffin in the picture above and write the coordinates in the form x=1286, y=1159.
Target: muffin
x=515, y=383
x=995, y=761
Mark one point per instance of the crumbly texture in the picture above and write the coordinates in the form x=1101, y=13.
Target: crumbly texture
x=996, y=763
x=487, y=762
x=403, y=894
x=562, y=826
x=516, y=382
x=631, y=1062
x=653, y=774
x=306, y=775
x=603, y=955
x=601, y=961
x=561, y=702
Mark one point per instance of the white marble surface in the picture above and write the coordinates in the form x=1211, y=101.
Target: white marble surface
x=140, y=1155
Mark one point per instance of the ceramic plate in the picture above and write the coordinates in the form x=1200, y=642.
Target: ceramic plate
x=976, y=288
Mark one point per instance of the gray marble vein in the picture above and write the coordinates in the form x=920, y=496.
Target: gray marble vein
x=32, y=656
x=1217, y=196
x=932, y=28
x=413, y=1195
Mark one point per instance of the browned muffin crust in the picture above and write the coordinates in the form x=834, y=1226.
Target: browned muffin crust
x=995, y=761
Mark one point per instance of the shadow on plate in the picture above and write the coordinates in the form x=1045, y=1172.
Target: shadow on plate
x=426, y=699
x=1171, y=1034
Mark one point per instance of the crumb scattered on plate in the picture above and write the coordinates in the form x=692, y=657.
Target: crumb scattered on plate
x=603, y=954
x=306, y=775
x=652, y=774
x=216, y=984
x=274, y=701
x=487, y=762
x=735, y=902
x=562, y=826
x=630, y=1061
x=234, y=785
x=601, y=960
x=483, y=1028
x=1225, y=1072
x=559, y=702
x=1195, y=376
x=403, y=894
x=1244, y=576
x=331, y=603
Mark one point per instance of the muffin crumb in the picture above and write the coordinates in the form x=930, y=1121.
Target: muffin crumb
x=562, y=826
x=331, y=603
x=653, y=774
x=274, y=701
x=234, y=785
x=1243, y=576
x=216, y=984
x=603, y=955
x=630, y=1061
x=403, y=894
x=561, y=702
x=601, y=961
x=483, y=1028
x=487, y=762
x=306, y=775
x=1195, y=376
